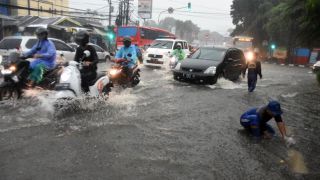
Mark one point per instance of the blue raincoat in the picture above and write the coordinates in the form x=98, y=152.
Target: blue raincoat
x=123, y=53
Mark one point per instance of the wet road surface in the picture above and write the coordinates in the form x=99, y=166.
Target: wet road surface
x=163, y=129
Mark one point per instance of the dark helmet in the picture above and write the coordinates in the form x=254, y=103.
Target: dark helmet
x=275, y=108
x=82, y=38
x=126, y=41
x=126, y=38
x=42, y=32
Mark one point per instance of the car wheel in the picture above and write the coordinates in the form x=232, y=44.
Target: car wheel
x=107, y=59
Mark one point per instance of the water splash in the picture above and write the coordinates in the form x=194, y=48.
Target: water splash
x=226, y=84
x=290, y=95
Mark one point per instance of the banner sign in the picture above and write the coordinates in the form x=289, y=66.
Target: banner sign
x=145, y=9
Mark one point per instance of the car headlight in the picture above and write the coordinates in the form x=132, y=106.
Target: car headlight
x=65, y=76
x=114, y=72
x=210, y=70
x=177, y=66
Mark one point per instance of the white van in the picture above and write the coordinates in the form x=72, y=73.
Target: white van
x=158, y=54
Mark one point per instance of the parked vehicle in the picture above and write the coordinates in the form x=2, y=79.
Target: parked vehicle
x=316, y=67
x=207, y=64
x=103, y=55
x=25, y=43
x=159, y=53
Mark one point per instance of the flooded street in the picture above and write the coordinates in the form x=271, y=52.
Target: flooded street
x=164, y=129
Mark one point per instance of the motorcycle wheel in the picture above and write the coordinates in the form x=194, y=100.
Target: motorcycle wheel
x=318, y=76
x=7, y=93
x=136, y=80
x=107, y=89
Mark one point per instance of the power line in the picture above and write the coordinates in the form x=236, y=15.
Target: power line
x=50, y=11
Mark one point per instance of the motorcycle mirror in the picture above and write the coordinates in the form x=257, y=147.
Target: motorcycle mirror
x=87, y=53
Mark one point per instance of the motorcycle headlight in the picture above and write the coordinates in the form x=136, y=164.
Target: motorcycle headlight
x=211, y=70
x=12, y=68
x=65, y=76
x=173, y=59
x=178, y=66
x=114, y=72
x=249, y=56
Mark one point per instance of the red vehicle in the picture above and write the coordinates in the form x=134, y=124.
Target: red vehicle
x=141, y=35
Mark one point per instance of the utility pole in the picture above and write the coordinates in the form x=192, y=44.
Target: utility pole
x=29, y=12
x=110, y=9
x=127, y=12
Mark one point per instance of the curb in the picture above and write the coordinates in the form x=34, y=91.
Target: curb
x=290, y=65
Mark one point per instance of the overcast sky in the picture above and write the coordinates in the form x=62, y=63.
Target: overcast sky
x=207, y=14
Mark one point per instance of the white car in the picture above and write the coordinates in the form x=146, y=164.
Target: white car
x=25, y=43
x=159, y=53
x=103, y=55
x=316, y=67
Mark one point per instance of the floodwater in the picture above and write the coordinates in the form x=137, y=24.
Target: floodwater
x=163, y=129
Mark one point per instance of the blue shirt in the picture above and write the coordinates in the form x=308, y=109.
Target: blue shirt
x=123, y=54
x=47, y=50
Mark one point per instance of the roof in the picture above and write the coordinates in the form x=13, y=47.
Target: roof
x=27, y=37
x=163, y=39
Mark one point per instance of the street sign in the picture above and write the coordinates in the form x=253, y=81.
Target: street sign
x=145, y=9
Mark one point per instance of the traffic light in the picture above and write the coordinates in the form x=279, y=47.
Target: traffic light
x=110, y=33
x=273, y=46
x=189, y=6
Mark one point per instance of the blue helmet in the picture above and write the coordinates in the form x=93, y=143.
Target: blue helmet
x=275, y=108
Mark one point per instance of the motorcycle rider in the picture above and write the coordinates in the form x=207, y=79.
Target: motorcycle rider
x=179, y=53
x=89, y=70
x=129, y=53
x=44, y=53
x=255, y=120
x=254, y=69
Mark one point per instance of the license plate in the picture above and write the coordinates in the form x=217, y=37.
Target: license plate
x=63, y=86
x=154, y=60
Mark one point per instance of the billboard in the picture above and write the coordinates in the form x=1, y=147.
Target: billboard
x=4, y=10
x=145, y=9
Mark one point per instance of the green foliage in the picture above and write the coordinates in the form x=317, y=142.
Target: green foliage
x=286, y=22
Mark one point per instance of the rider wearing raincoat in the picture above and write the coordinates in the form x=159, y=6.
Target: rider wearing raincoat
x=44, y=53
x=179, y=53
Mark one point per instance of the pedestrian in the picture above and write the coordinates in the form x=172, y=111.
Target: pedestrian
x=255, y=120
x=254, y=69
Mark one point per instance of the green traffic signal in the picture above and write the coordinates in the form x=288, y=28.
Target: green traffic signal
x=111, y=36
x=273, y=46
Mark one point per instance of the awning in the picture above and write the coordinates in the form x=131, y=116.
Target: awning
x=6, y=17
x=100, y=32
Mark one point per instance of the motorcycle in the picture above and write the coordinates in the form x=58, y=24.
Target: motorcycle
x=173, y=62
x=69, y=85
x=14, y=74
x=119, y=77
x=316, y=70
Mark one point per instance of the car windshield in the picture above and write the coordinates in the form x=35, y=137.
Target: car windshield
x=162, y=44
x=31, y=43
x=10, y=43
x=213, y=54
